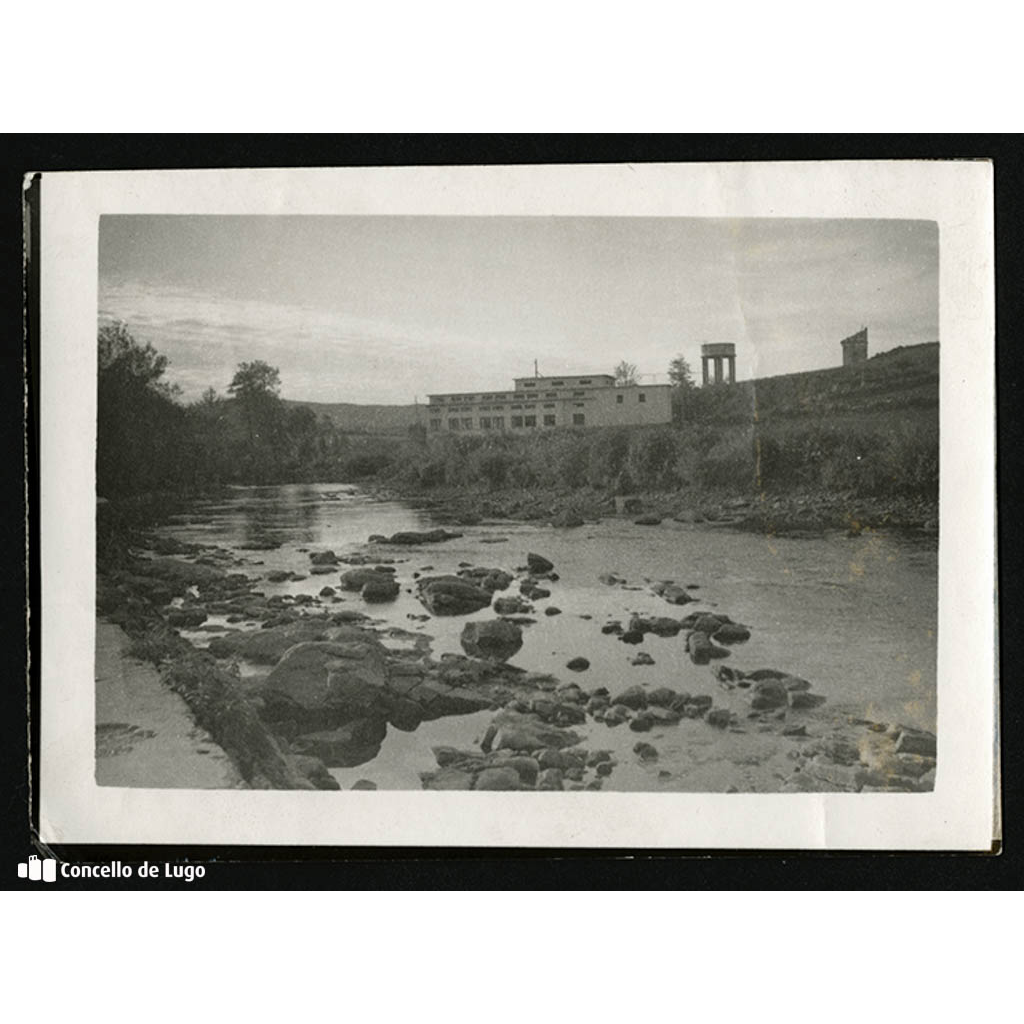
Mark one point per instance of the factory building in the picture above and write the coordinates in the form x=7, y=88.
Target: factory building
x=550, y=403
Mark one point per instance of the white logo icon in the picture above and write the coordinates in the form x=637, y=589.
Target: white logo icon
x=37, y=869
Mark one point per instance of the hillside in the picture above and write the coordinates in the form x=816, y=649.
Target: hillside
x=363, y=419
x=894, y=389
x=893, y=380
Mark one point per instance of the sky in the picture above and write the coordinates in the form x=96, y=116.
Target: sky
x=383, y=309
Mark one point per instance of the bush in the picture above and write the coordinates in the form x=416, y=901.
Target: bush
x=652, y=459
x=359, y=466
x=729, y=463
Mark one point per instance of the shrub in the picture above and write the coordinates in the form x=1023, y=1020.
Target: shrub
x=652, y=459
x=729, y=463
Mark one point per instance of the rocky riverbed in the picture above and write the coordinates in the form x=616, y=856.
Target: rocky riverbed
x=308, y=671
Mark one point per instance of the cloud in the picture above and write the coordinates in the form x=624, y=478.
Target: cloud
x=323, y=355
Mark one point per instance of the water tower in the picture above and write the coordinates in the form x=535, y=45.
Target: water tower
x=713, y=358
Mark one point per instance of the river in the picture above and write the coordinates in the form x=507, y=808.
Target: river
x=855, y=616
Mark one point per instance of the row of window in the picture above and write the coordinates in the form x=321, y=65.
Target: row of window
x=498, y=422
x=505, y=397
x=469, y=399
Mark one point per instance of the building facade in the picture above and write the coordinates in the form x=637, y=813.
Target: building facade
x=551, y=403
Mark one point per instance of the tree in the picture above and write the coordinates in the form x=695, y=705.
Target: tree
x=139, y=426
x=123, y=359
x=679, y=374
x=255, y=386
x=625, y=374
x=209, y=399
x=255, y=381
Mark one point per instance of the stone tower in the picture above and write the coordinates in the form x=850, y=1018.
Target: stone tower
x=855, y=347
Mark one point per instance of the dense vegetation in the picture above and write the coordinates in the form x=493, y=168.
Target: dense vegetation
x=149, y=441
x=870, y=431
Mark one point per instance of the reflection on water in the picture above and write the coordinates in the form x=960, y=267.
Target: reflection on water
x=856, y=617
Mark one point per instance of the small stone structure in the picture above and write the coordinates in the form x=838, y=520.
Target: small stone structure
x=716, y=355
x=855, y=347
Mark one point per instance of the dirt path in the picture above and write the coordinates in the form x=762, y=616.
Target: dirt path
x=145, y=734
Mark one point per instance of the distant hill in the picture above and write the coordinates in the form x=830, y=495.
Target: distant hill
x=363, y=419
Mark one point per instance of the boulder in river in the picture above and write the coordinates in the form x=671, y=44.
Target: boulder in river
x=414, y=537
x=663, y=716
x=702, y=650
x=577, y=665
x=512, y=730
x=449, y=595
x=356, y=579
x=705, y=622
x=765, y=673
x=351, y=744
x=659, y=625
x=650, y=520
x=677, y=595
x=379, y=590
x=538, y=564
x=768, y=694
x=323, y=558
x=496, y=640
x=487, y=579
x=329, y=683
x=731, y=633
x=663, y=697
x=512, y=606
x=795, y=683
x=634, y=698
x=447, y=778
x=267, y=646
x=504, y=778
x=551, y=779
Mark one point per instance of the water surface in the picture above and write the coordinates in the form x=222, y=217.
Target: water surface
x=854, y=616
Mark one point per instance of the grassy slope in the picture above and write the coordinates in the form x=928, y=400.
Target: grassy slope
x=895, y=386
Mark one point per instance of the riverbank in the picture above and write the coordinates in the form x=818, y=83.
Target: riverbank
x=793, y=515
x=145, y=734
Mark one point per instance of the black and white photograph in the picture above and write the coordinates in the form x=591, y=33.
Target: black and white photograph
x=581, y=508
